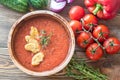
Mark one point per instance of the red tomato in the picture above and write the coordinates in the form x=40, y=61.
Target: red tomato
x=101, y=32
x=76, y=26
x=84, y=39
x=94, y=51
x=112, y=45
x=89, y=21
x=76, y=13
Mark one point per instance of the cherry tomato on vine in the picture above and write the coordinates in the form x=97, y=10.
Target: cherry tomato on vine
x=94, y=52
x=84, y=39
x=76, y=26
x=112, y=45
x=89, y=21
x=76, y=13
x=101, y=32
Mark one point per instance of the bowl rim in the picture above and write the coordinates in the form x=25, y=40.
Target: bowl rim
x=57, y=68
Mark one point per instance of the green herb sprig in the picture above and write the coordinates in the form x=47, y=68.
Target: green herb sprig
x=44, y=38
x=81, y=71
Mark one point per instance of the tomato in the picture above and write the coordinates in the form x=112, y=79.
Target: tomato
x=101, y=32
x=76, y=13
x=94, y=51
x=89, y=21
x=112, y=45
x=84, y=39
x=76, y=26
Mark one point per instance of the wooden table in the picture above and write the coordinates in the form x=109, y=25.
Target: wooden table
x=8, y=71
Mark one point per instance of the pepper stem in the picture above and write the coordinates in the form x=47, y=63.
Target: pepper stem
x=98, y=7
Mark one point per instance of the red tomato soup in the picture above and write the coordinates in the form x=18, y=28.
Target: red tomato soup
x=54, y=53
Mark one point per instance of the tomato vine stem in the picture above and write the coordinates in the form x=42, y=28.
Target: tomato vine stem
x=88, y=31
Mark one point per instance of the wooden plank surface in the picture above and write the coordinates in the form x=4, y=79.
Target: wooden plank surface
x=8, y=71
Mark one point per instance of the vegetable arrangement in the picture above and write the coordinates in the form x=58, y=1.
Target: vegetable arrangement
x=100, y=8
x=26, y=5
x=91, y=35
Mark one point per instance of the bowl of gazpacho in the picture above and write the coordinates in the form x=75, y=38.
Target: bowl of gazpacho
x=41, y=43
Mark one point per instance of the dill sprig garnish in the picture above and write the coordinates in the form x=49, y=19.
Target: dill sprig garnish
x=44, y=38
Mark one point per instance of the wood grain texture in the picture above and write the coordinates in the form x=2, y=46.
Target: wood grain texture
x=109, y=65
x=8, y=71
x=7, y=18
